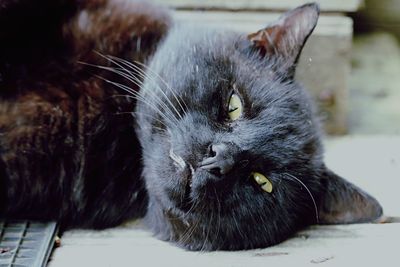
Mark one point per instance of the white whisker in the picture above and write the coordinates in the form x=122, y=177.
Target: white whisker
x=143, y=75
x=138, y=97
x=132, y=92
x=167, y=85
x=128, y=75
x=309, y=192
x=155, y=75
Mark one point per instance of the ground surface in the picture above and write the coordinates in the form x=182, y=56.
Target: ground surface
x=369, y=157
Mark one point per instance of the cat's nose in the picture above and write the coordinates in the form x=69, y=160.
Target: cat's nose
x=220, y=159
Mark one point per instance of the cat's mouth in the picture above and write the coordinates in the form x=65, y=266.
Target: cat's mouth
x=185, y=203
x=187, y=172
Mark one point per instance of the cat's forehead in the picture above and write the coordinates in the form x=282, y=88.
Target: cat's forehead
x=191, y=48
x=192, y=54
x=196, y=39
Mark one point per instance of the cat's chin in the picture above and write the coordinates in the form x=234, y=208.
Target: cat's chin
x=159, y=218
x=197, y=231
x=172, y=224
x=175, y=231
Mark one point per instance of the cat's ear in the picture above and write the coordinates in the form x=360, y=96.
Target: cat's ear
x=286, y=37
x=343, y=202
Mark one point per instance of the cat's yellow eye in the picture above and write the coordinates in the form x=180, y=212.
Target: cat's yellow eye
x=263, y=181
x=235, y=107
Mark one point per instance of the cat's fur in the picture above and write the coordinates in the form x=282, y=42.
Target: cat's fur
x=72, y=152
x=68, y=151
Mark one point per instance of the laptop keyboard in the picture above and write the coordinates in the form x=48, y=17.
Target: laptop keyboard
x=26, y=243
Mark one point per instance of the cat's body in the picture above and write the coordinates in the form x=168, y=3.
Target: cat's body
x=68, y=145
x=72, y=151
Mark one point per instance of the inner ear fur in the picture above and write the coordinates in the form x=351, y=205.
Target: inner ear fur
x=286, y=37
x=342, y=202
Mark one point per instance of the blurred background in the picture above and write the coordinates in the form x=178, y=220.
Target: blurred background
x=374, y=83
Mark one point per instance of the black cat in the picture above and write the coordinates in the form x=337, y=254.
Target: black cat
x=223, y=150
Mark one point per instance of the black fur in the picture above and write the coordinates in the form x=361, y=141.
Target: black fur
x=277, y=135
x=66, y=155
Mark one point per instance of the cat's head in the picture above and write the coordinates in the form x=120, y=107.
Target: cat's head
x=231, y=146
